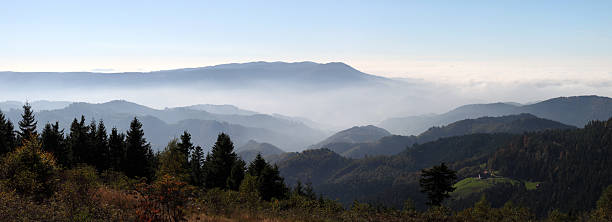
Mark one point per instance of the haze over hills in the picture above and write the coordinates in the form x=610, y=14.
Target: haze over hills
x=36, y=105
x=575, y=110
x=326, y=93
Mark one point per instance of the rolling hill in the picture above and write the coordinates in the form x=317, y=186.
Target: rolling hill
x=390, y=145
x=576, y=111
x=249, y=151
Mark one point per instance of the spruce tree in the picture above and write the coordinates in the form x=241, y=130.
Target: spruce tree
x=7, y=135
x=28, y=122
x=186, y=146
x=269, y=182
x=53, y=142
x=196, y=166
x=220, y=163
x=437, y=183
x=78, y=141
x=140, y=158
x=116, y=143
x=257, y=165
x=91, y=154
x=102, y=150
x=236, y=175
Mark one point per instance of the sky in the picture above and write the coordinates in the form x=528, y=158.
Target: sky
x=459, y=42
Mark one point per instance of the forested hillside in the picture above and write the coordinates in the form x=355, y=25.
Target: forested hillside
x=87, y=174
x=390, y=145
x=569, y=167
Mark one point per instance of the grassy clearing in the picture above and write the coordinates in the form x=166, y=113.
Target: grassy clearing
x=472, y=185
x=469, y=186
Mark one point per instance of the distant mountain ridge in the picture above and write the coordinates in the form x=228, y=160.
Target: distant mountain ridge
x=575, y=110
x=235, y=75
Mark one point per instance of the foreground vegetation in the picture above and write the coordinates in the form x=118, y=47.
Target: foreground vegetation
x=89, y=176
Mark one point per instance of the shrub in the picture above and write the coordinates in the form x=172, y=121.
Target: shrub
x=29, y=171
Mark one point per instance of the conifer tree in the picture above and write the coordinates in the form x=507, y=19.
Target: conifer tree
x=91, y=147
x=78, y=140
x=116, y=143
x=53, y=142
x=28, y=122
x=7, y=135
x=269, y=182
x=236, y=175
x=186, y=146
x=102, y=150
x=220, y=162
x=437, y=183
x=196, y=166
x=139, y=155
x=257, y=165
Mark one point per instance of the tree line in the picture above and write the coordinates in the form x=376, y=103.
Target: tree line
x=131, y=154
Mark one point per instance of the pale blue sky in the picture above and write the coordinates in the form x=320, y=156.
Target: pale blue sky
x=439, y=40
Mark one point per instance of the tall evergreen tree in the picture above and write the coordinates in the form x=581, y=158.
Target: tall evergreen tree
x=140, y=158
x=437, y=183
x=28, y=122
x=186, y=146
x=220, y=162
x=91, y=154
x=7, y=135
x=236, y=175
x=269, y=182
x=195, y=162
x=116, y=144
x=53, y=141
x=102, y=154
x=78, y=141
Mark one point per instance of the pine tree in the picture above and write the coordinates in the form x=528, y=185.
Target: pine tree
x=269, y=182
x=91, y=147
x=28, y=122
x=437, y=183
x=140, y=158
x=186, y=146
x=102, y=154
x=236, y=175
x=53, y=142
x=220, y=162
x=196, y=166
x=78, y=141
x=257, y=165
x=7, y=135
x=116, y=143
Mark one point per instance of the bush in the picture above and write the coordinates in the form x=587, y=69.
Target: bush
x=29, y=171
